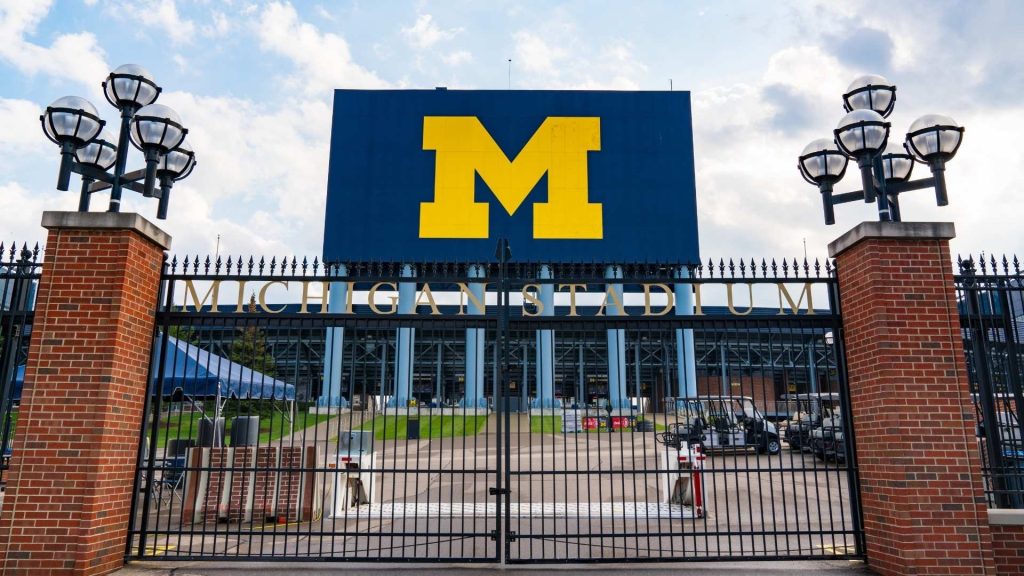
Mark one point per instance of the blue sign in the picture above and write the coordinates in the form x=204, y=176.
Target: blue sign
x=565, y=176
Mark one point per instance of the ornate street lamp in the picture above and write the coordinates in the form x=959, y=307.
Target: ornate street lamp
x=86, y=149
x=863, y=135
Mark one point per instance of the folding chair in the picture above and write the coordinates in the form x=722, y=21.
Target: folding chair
x=172, y=478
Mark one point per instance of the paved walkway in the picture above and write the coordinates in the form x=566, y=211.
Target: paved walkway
x=828, y=567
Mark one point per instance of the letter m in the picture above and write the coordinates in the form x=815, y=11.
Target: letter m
x=464, y=148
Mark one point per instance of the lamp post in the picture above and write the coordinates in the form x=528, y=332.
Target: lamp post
x=863, y=135
x=92, y=152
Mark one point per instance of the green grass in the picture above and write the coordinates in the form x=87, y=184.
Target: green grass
x=545, y=424
x=396, y=427
x=272, y=427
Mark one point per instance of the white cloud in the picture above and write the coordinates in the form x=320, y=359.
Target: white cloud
x=535, y=55
x=424, y=33
x=76, y=57
x=457, y=58
x=160, y=15
x=219, y=25
x=323, y=59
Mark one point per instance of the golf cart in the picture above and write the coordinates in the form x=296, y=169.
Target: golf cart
x=826, y=441
x=725, y=422
x=809, y=412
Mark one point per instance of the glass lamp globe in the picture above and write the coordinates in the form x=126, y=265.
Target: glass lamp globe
x=934, y=137
x=157, y=127
x=870, y=92
x=71, y=120
x=178, y=163
x=101, y=152
x=130, y=85
x=862, y=133
x=896, y=164
x=822, y=161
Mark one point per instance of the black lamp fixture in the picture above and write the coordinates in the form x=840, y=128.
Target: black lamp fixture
x=863, y=135
x=90, y=151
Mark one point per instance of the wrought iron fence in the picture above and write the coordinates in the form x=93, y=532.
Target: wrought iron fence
x=990, y=294
x=19, y=275
x=487, y=430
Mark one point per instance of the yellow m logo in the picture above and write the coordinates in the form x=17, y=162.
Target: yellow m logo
x=465, y=148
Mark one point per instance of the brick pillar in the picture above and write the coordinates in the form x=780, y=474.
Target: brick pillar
x=920, y=470
x=67, y=503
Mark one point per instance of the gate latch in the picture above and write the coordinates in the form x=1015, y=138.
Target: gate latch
x=498, y=491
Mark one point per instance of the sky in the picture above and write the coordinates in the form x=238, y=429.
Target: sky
x=253, y=83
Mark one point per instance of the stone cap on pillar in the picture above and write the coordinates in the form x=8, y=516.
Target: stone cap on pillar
x=894, y=230
x=107, y=221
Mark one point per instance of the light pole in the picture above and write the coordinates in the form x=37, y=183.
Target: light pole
x=90, y=151
x=863, y=135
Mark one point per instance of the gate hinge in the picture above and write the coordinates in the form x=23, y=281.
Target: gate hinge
x=510, y=536
x=498, y=491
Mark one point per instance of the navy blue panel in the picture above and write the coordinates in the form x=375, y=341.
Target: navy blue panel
x=379, y=173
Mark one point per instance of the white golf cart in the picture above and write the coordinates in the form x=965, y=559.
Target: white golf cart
x=725, y=422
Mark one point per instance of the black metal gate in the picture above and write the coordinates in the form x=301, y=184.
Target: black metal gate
x=19, y=275
x=576, y=446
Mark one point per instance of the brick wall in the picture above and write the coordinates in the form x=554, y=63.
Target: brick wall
x=72, y=470
x=921, y=485
x=1008, y=548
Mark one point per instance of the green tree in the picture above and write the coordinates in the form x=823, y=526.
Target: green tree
x=249, y=348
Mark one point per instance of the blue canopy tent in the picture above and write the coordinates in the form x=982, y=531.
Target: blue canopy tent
x=198, y=373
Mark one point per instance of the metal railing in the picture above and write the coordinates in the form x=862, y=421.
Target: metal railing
x=19, y=275
x=990, y=295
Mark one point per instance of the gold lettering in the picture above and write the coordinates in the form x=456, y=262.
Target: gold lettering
x=532, y=298
x=729, y=299
x=479, y=305
x=783, y=293
x=430, y=301
x=370, y=298
x=697, y=310
x=647, y=300
x=572, y=295
x=616, y=301
x=306, y=297
x=241, y=307
x=263, y=296
x=214, y=291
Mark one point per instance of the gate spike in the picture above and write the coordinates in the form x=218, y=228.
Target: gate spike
x=206, y=265
x=732, y=269
x=807, y=270
x=261, y=265
x=817, y=268
x=796, y=269
x=295, y=265
x=775, y=268
x=273, y=264
x=981, y=262
x=304, y=265
x=1016, y=265
x=174, y=263
x=785, y=268
x=992, y=259
x=14, y=247
x=316, y=264
x=251, y=264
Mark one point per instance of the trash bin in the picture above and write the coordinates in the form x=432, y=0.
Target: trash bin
x=210, y=434
x=412, y=429
x=245, y=431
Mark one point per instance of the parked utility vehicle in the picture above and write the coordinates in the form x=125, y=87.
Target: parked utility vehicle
x=725, y=422
x=809, y=411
